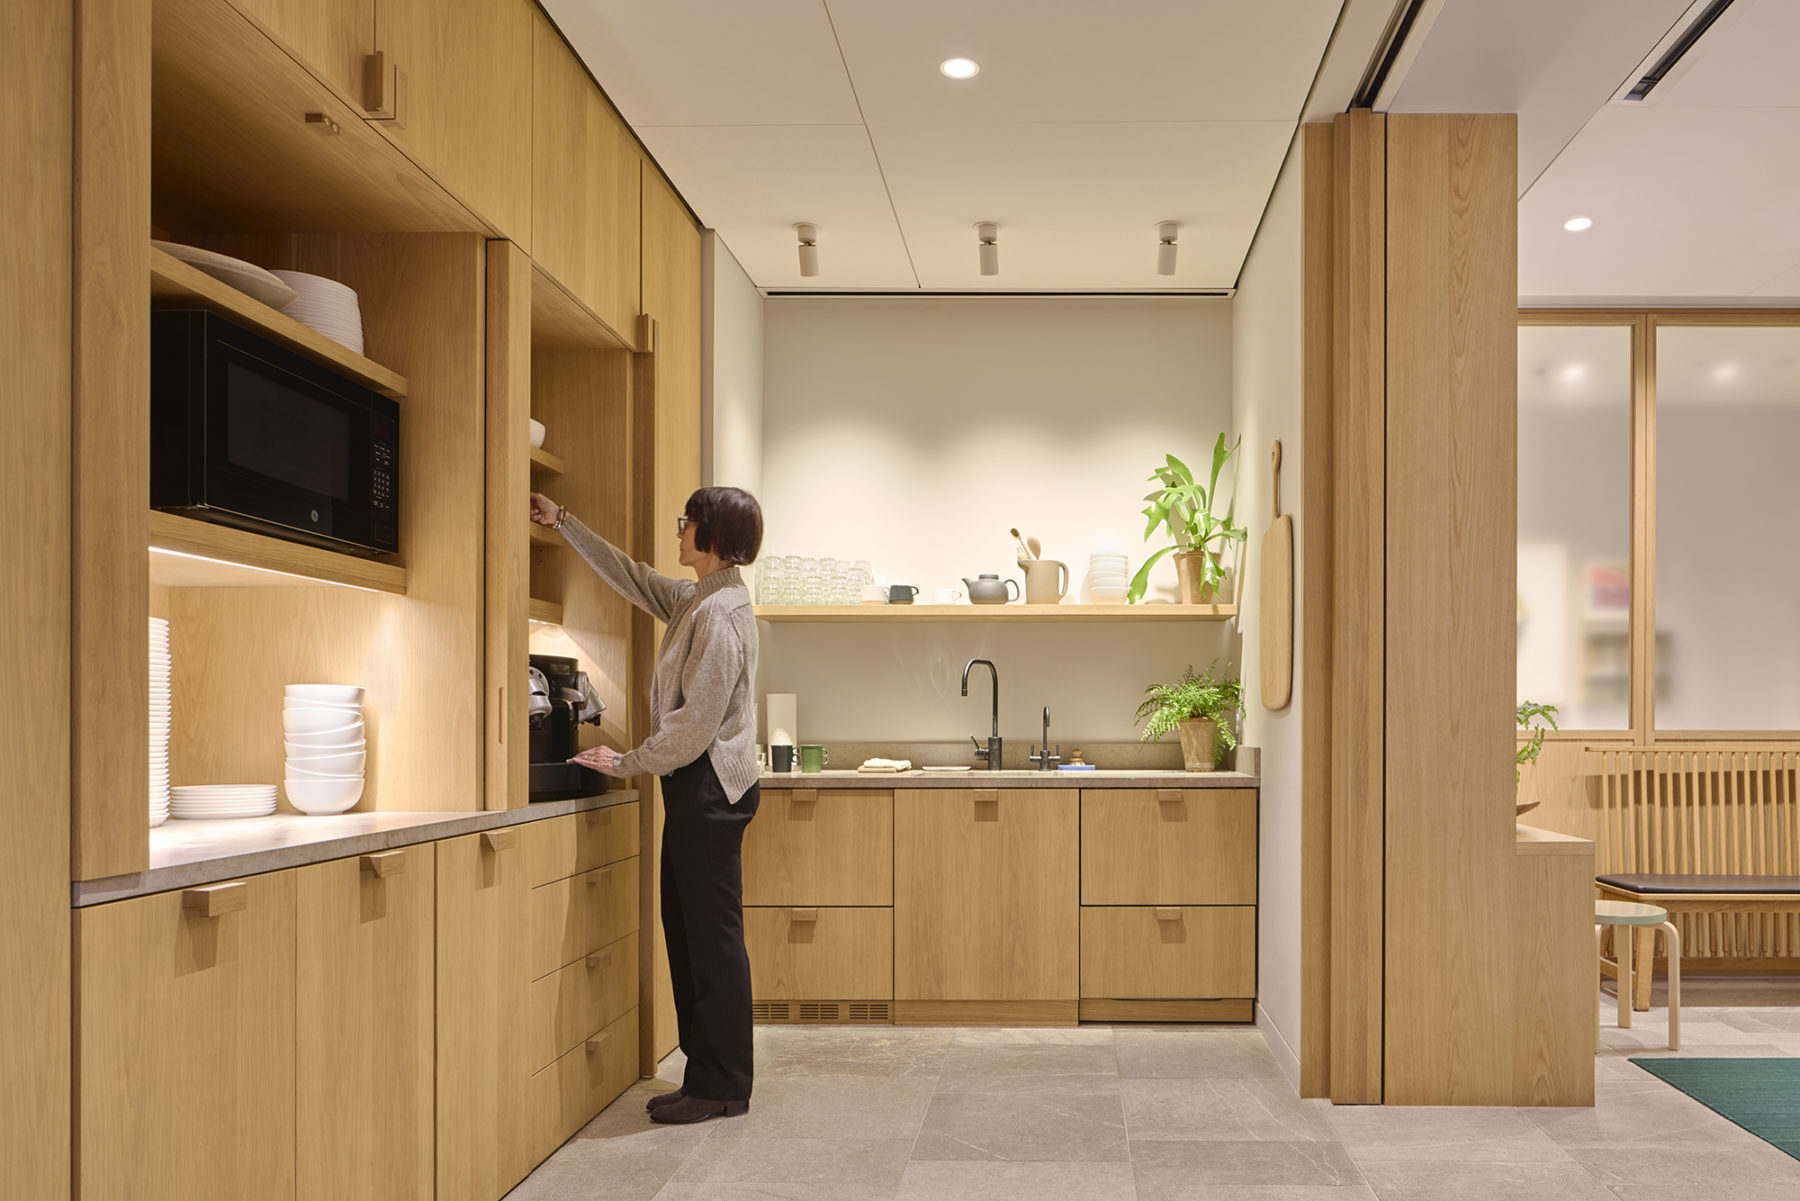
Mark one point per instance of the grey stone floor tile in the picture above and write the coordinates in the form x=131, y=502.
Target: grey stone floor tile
x=1012, y=1036
x=852, y=1051
x=1174, y=1171
x=871, y=1163
x=1230, y=1054
x=832, y=1107
x=604, y=1170
x=1040, y=1127
x=1484, y=1182
x=1221, y=1110
x=1642, y=1112
x=990, y=1181
x=1470, y=1134
x=1740, y=1162
x=774, y=1191
x=1028, y=1067
x=1652, y=1192
x=1279, y=1192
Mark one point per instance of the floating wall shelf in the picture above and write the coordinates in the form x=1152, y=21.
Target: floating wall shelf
x=186, y=553
x=885, y=614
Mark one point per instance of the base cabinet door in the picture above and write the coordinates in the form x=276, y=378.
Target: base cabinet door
x=1168, y=846
x=1201, y=952
x=808, y=954
x=985, y=895
x=811, y=846
x=364, y=1025
x=481, y=988
x=582, y=1082
x=185, y=1044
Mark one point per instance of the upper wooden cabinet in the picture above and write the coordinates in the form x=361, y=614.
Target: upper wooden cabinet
x=671, y=249
x=584, y=186
x=452, y=85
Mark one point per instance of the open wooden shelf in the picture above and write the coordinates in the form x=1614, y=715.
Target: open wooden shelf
x=548, y=612
x=186, y=553
x=176, y=283
x=543, y=463
x=878, y=614
x=559, y=321
x=543, y=535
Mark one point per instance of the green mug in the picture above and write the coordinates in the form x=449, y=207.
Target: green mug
x=814, y=758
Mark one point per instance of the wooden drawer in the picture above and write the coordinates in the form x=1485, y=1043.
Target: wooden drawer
x=572, y=917
x=581, y=1083
x=588, y=995
x=820, y=954
x=560, y=847
x=1192, y=951
x=1151, y=846
x=821, y=847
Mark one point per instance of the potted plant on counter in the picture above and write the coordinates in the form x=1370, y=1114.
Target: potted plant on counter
x=1185, y=507
x=1200, y=709
x=1533, y=717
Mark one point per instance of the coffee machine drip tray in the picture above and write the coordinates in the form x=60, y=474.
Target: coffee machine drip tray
x=564, y=781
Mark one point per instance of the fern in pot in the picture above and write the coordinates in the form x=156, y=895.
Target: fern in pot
x=1184, y=506
x=1198, y=708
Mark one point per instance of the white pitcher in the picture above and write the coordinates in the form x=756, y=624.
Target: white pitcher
x=1046, y=581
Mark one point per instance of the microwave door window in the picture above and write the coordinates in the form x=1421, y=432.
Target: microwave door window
x=286, y=436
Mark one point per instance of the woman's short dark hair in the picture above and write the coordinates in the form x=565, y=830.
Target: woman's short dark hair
x=728, y=523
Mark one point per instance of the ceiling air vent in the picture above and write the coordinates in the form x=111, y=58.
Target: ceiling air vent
x=1670, y=52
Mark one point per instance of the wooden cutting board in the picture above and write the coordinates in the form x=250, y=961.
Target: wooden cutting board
x=1277, y=619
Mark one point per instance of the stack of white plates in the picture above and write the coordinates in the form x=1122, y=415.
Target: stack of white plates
x=1107, y=580
x=160, y=711
x=213, y=802
x=326, y=749
x=325, y=306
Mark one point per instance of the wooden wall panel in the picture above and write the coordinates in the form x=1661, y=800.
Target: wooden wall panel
x=35, y=290
x=109, y=502
x=1358, y=589
x=508, y=546
x=1552, y=975
x=1451, y=518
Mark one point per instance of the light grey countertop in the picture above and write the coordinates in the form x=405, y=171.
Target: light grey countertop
x=980, y=778
x=184, y=854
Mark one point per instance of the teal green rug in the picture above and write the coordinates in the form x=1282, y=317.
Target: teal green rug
x=1761, y=1095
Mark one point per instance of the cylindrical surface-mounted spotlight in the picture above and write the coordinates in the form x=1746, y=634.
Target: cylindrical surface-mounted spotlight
x=809, y=247
x=987, y=235
x=1166, y=232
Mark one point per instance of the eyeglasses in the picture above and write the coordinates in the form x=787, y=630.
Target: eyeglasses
x=681, y=525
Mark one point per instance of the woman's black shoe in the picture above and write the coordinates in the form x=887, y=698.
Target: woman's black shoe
x=662, y=1099
x=697, y=1109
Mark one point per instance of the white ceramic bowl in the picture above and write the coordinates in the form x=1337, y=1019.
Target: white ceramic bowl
x=323, y=796
x=344, y=712
x=319, y=761
x=330, y=694
x=537, y=433
x=300, y=773
x=321, y=721
x=304, y=746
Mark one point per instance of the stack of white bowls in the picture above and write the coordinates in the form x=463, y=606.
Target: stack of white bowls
x=1107, y=580
x=160, y=710
x=214, y=802
x=326, y=750
x=326, y=307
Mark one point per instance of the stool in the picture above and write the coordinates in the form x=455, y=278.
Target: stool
x=1628, y=913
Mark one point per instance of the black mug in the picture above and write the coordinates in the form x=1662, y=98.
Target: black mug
x=901, y=594
x=781, y=756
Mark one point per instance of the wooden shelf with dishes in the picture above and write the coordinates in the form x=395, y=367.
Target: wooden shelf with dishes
x=186, y=552
x=545, y=612
x=545, y=465
x=914, y=614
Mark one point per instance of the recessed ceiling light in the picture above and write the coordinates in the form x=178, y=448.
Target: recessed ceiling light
x=960, y=68
x=1576, y=224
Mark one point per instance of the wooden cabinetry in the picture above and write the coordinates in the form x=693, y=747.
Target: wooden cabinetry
x=185, y=1044
x=566, y=846
x=802, y=954
x=332, y=37
x=364, y=1025
x=821, y=847
x=1204, y=952
x=578, y=916
x=584, y=193
x=986, y=907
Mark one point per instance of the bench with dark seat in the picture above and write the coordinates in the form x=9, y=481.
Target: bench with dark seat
x=1689, y=892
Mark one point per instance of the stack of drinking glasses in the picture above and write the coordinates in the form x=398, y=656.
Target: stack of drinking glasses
x=799, y=580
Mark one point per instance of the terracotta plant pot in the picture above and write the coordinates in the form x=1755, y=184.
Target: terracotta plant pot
x=1189, y=570
x=1199, y=743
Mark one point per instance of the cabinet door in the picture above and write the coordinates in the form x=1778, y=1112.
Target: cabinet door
x=465, y=103
x=1201, y=952
x=821, y=847
x=482, y=1076
x=1154, y=846
x=364, y=1025
x=185, y=1025
x=584, y=194
x=985, y=897
x=820, y=954
x=332, y=37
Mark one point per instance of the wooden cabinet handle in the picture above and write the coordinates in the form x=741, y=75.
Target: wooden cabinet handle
x=1168, y=913
x=216, y=900
x=987, y=805
x=598, y=874
x=600, y=959
x=501, y=724
x=1169, y=796
x=384, y=90
x=598, y=1043
x=387, y=863
x=499, y=840
x=599, y=817
x=805, y=796
x=805, y=915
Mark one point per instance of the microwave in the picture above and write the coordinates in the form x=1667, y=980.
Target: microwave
x=248, y=433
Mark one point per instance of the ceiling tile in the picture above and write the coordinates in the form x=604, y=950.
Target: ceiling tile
x=1075, y=60
x=1077, y=204
x=752, y=183
x=700, y=62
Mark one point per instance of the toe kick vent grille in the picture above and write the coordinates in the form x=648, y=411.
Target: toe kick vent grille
x=822, y=1011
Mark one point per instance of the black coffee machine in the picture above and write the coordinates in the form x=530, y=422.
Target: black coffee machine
x=560, y=700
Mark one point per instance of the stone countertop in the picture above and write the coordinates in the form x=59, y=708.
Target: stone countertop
x=184, y=854
x=981, y=778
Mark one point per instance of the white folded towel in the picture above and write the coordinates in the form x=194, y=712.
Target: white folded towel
x=886, y=765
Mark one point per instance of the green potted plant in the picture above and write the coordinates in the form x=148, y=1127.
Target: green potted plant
x=1200, y=538
x=1200, y=709
x=1536, y=718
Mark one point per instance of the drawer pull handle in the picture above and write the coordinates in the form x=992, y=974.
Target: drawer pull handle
x=1168, y=913
x=597, y=1045
x=599, y=959
x=806, y=796
x=595, y=877
x=388, y=863
x=806, y=915
x=499, y=840
x=987, y=805
x=216, y=900
x=599, y=817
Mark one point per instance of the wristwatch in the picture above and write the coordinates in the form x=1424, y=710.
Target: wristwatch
x=562, y=515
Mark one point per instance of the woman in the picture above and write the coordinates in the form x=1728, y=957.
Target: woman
x=703, y=744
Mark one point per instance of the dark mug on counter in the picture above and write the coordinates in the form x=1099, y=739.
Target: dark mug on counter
x=901, y=594
x=781, y=756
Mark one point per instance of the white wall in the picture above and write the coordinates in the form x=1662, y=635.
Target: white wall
x=731, y=371
x=915, y=432
x=1266, y=355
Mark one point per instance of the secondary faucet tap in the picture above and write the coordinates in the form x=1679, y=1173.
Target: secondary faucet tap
x=1043, y=758
x=991, y=752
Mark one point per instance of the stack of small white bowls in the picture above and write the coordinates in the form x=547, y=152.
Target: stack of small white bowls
x=1107, y=581
x=326, y=307
x=322, y=725
x=160, y=709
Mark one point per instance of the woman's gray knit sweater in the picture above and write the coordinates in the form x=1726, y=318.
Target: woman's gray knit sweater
x=700, y=697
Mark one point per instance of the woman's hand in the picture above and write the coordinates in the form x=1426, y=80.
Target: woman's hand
x=602, y=759
x=544, y=511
